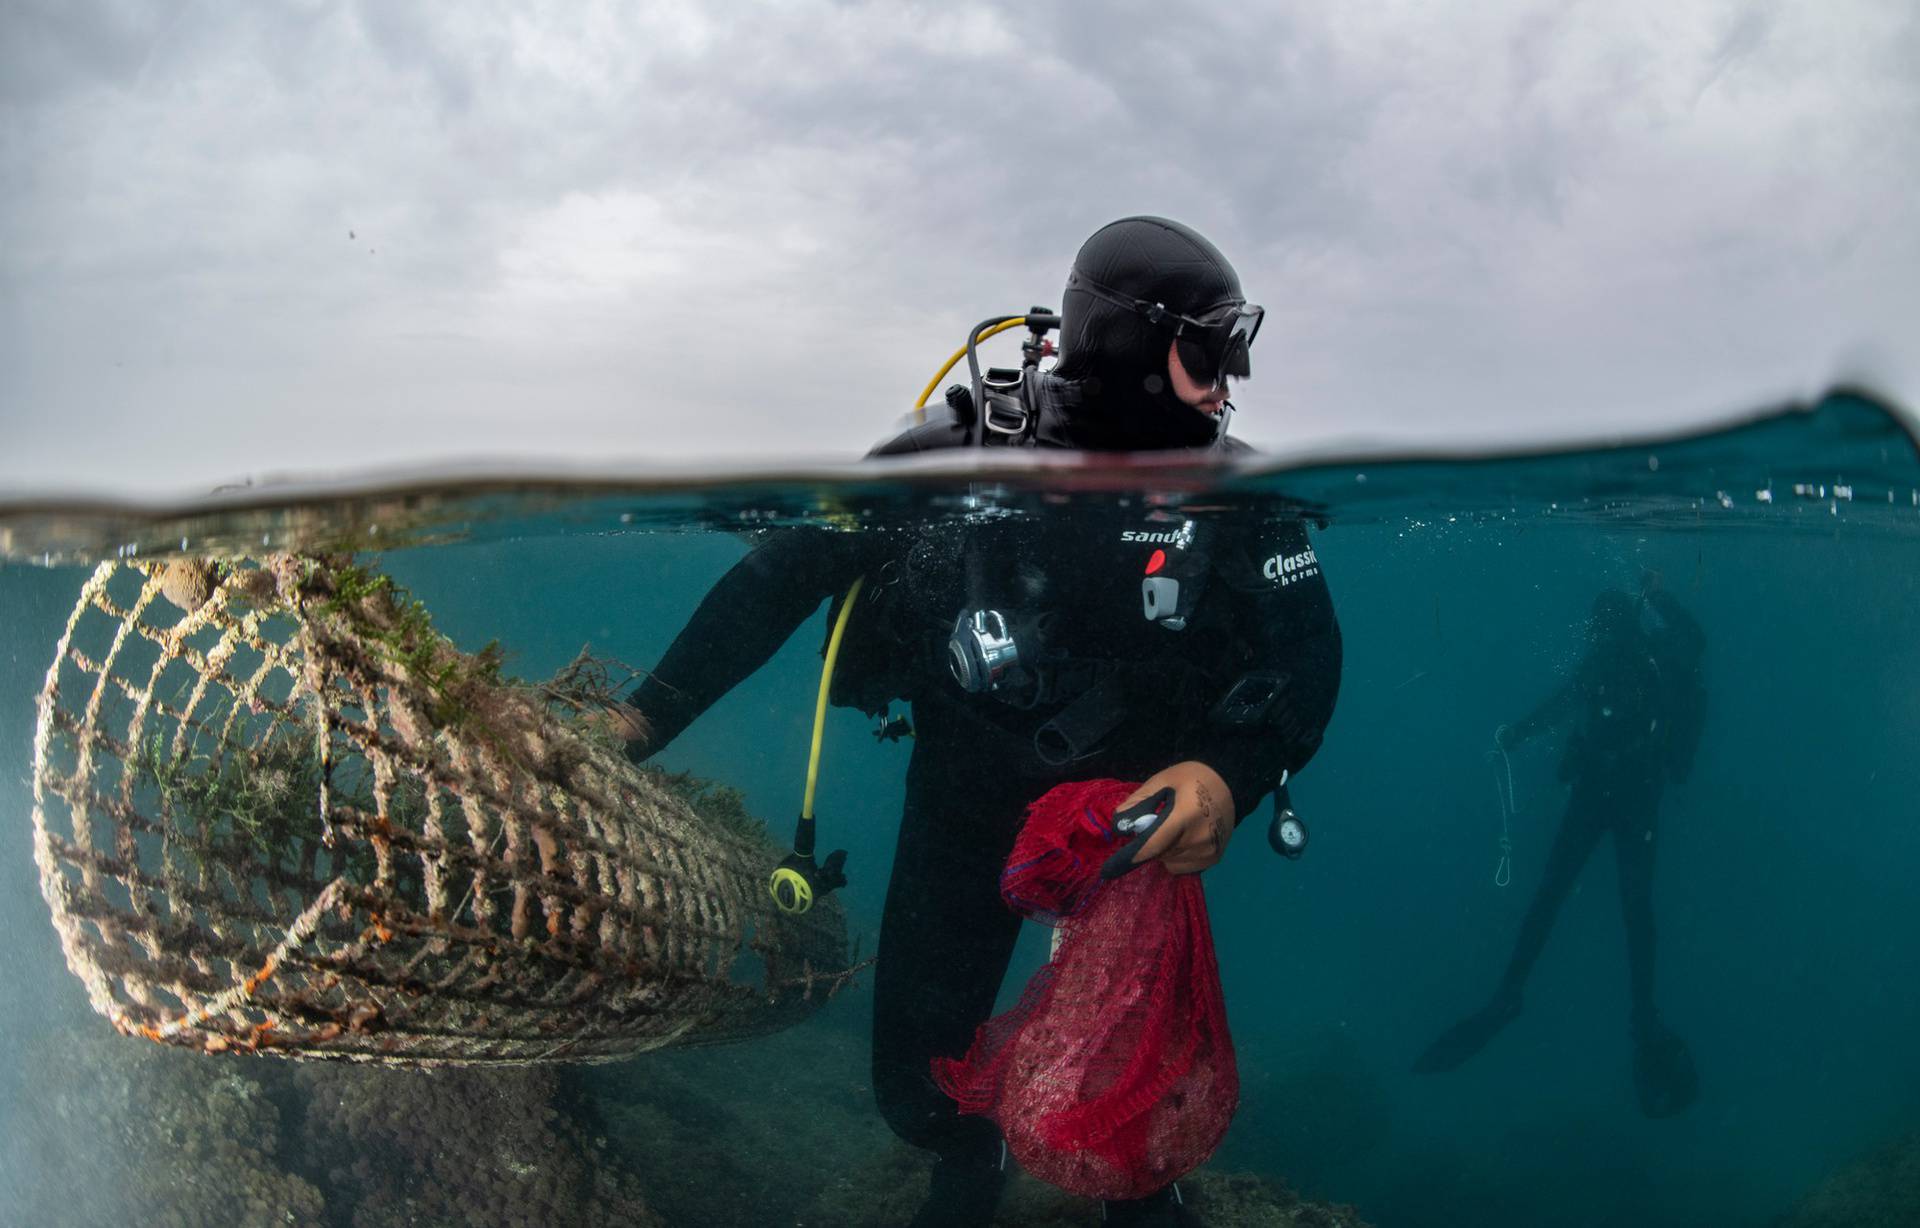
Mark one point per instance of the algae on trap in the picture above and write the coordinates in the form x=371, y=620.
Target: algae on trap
x=722, y=807
x=255, y=800
x=260, y=803
x=264, y=802
x=383, y=613
x=266, y=799
x=464, y=685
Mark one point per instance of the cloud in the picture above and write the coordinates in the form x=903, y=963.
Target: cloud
x=323, y=235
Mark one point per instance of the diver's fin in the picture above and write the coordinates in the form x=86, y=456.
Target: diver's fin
x=1664, y=1075
x=1469, y=1036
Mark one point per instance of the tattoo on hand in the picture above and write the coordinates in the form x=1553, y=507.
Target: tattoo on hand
x=1208, y=814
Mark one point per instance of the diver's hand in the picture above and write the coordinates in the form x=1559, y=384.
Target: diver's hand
x=1194, y=836
x=623, y=721
x=1512, y=737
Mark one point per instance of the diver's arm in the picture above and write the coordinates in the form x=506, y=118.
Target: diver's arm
x=1252, y=762
x=1550, y=714
x=1681, y=625
x=741, y=622
x=1283, y=612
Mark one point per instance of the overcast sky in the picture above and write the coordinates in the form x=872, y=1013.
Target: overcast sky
x=238, y=238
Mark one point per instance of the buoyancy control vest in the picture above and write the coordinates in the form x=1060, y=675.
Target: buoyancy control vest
x=1058, y=624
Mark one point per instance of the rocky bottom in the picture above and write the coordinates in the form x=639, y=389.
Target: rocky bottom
x=109, y=1131
x=1879, y=1190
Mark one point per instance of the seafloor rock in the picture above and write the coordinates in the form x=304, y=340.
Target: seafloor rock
x=782, y=1132
x=886, y=1192
x=745, y=1136
x=112, y=1131
x=1879, y=1190
x=1242, y=1200
x=474, y=1147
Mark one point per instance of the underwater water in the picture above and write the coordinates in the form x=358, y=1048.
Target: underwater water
x=1787, y=917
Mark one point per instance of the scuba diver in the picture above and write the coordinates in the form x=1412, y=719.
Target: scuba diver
x=1125, y=641
x=1634, y=706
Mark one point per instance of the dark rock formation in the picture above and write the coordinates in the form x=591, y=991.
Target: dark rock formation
x=478, y=1147
x=113, y=1131
x=1879, y=1190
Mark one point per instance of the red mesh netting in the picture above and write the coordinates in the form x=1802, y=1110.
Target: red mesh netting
x=1114, y=1075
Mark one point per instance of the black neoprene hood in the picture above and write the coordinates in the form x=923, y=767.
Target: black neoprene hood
x=1119, y=357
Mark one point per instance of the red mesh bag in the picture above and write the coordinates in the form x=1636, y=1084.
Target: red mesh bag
x=1114, y=1074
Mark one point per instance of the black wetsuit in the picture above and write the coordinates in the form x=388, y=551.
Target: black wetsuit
x=1635, y=707
x=977, y=761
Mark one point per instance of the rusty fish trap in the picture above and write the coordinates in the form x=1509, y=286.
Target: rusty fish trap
x=275, y=811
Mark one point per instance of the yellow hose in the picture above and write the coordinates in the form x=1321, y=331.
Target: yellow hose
x=826, y=684
x=846, y=607
x=920, y=406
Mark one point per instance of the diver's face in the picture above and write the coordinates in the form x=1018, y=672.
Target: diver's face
x=1207, y=398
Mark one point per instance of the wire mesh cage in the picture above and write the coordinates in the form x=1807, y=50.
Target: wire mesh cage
x=275, y=811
